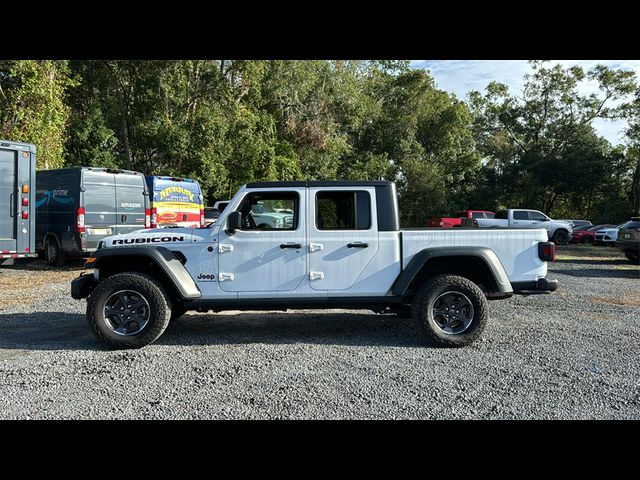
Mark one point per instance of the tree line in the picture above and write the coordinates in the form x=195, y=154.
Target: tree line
x=228, y=122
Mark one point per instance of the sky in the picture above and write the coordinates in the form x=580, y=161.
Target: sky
x=462, y=76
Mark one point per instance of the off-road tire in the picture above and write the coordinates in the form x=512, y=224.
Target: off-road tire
x=53, y=254
x=422, y=310
x=153, y=293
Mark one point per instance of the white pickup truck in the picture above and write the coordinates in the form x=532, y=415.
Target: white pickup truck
x=343, y=249
x=558, y=231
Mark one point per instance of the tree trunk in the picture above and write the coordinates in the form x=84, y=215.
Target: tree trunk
x=124, y=126
x=635, y=189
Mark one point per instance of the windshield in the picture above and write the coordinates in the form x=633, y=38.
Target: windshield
x=631, y=224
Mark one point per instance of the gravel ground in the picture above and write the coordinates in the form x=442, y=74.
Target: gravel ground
x=573, y=354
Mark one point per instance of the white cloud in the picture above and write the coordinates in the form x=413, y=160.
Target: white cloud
x=461, y=76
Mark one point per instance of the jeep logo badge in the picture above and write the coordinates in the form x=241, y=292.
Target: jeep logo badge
x=206, y=277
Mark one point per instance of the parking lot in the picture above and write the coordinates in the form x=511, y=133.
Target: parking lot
x=573, y=354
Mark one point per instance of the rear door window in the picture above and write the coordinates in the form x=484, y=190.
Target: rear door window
x=343, y=210
x=521, y=215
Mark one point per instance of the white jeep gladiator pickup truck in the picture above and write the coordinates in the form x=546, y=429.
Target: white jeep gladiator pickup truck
x=559, y=231
x=343, y=249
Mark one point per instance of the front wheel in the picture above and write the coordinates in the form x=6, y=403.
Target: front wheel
x=560, y=237
x=128, y=310
x=450, y=310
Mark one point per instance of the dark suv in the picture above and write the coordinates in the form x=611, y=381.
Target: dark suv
x=629, y=239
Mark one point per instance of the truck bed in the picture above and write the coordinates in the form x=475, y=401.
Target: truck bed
x=508, y=245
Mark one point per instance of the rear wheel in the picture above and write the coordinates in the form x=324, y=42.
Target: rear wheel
x=53, y=254
x=560, y=237
x=633, y=257
x=450, y=310
x=128, y=310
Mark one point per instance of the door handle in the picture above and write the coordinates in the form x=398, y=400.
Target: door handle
x=357, y=245
x=224, y=276
x=290, y=245
x=12, y=207
x=222, y=247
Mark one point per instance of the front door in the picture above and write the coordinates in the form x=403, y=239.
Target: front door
x=8, y=200
x=268, y=254
x=343, y=235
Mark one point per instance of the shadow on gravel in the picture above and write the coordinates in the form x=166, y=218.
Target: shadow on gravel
x=69, y=331
x=600, y=272
x=599, y=261
x=348, y=329
x=30, y=265
x=46, y=331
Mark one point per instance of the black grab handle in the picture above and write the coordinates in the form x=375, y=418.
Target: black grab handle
x=357, y=245
x=290, y=245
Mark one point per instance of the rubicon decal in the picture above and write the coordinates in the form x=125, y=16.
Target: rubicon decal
x=130, y=241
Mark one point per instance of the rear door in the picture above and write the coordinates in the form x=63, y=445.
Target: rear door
x=99, y=202
x=8, y=196
x=343, y=235
x=521, y=219
x=131, y=199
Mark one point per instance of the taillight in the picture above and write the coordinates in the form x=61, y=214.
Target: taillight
x=25, y=215
x=25, y=202
x=201, y=218
x=147, y=218
x=547, y=251
x=80, y=220
x=154, y=218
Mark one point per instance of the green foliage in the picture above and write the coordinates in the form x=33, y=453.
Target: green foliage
x=540, y=149
x=228, y=122
x=33, y=107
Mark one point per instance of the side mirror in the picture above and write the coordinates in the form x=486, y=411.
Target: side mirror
x=234, y=222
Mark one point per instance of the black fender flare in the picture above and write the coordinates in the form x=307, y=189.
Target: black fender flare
x=164, y=258
x=488, y=257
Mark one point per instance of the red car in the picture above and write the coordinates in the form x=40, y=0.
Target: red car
x=448, y=222
x=587, y=235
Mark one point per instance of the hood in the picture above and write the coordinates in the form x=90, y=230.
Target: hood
x=150, y=237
